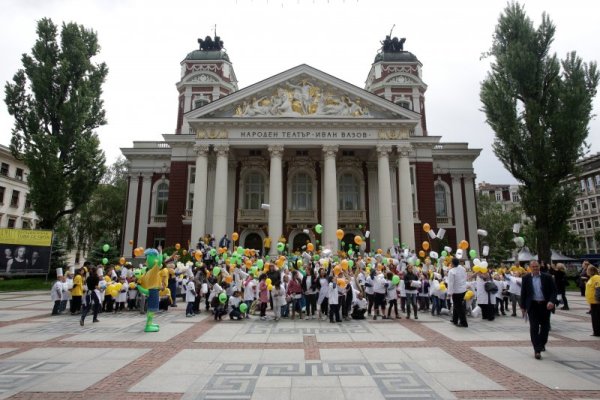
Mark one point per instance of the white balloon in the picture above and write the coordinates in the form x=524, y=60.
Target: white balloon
x=367, y=234
x=448, y=249
x=482, y=232
x=486, y=251
x=484, y=264
x=441, y=233
x=476, y=261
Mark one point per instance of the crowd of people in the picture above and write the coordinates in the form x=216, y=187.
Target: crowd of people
x=239, y=284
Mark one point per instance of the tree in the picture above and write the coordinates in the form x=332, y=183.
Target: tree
x=539, y=108
x=55, y=101
x=498, y=224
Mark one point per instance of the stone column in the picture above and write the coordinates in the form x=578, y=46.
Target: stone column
x=144, y=209
x=275, y=196
x=471, y=211
x=131, y=211
x=330, y=206
x=200, y=185
x=459, y=216
x=386, y=230
x=220, y=206
x=407, y=224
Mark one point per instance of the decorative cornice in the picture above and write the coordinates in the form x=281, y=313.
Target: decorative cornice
x=276, y=150
x=392, y=134
x=211, y=133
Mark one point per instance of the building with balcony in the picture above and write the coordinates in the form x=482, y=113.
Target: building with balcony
x=316, y=149
x=15, y=208
x=585, y=220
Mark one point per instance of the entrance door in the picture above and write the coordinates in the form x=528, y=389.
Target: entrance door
x=253, y=241
x=347, y=241
x=300, y=240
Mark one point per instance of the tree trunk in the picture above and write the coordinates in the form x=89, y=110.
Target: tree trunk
x=543, y=241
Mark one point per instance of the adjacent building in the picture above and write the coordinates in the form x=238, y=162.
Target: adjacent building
x=300, y=148
x=15, y=208
x=585, y=220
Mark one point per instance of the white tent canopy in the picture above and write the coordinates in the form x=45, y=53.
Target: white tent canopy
x=525, y=255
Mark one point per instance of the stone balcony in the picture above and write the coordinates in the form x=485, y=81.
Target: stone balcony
x=301, y=216
x=352, y=216
x=246, y=215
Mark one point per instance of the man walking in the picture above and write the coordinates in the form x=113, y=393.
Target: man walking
x=538, y=296
x=457, y=287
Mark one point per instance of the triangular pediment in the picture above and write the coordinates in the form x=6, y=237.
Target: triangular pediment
x=302, y=92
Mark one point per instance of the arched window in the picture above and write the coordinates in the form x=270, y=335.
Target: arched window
x=441, y=206
x=254, y=189
x=302, y=192
x=162, y=197
x=348, y=192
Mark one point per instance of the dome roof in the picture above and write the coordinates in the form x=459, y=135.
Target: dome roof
x=207, y=55
x=401, y=56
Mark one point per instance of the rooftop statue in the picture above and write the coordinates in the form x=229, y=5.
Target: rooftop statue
x=208, y=44
x=394, y=45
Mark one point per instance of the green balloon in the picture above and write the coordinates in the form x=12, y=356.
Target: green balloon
x=240, y=250
x=343, y=243
x=105, y=261
x=105, y=248
x=280, y=246
x=351, y=263
x=417, y=262
x=260, y=263
x=396, y=240
x=319, y=228
x=223, y=298
x=216, y=271
x=395, y=279
x=472, y=253
x=444, y=253
x=384, y=261
x=243, y=307
x=350, y=252
x=316, y=257
x=198, y=264
x=213, y=252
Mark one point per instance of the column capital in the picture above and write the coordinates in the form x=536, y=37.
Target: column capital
x=456, y=177
x=222, y=150
x=404, y=150
x=276, y=150
x=147, y=175
x=201, y=149
x=330, y=150
x=383, y=150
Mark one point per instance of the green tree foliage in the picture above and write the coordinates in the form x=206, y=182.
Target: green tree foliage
x=55, y=101
x=539, y=108
x=498, y=223
x=97, y=253
x=58, y=257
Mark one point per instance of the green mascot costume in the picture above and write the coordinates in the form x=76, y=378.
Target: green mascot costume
x=149, y=285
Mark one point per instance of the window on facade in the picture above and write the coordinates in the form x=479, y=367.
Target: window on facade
x=26, y=224
x=348, y=153
x=590, y=183
x=12, y=222
x=302, y=153
x=27, y=203
x=2, y=190
x=4, y=169
x=348, y=192
x=582, y=184
x=255, y=153
x=19, y=174
x=578, y=206
x=191, y=201
x=588, y=224
x=254, y=191
x=192, y=176
x=498, y=196
x=580, y=224
x=159, y=242
x=597, y=180
x=14, y=200
x=404, y=104
x=596, y=223
x=441, y=208
x=515, y=197
x=301, y=192
x=585, y=206
x=162, y=197
x=593, y=204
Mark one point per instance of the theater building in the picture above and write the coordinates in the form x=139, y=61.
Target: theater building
x=314, y=148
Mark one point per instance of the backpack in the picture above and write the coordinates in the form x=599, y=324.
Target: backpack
x=490, y=287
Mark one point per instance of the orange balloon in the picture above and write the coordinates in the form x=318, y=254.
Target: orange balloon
x=138, y=252
x=339, y=234
x=198, y=255
x=229, y=279
x=247, y=252
x=463, y=244
x=421, y=254
x=310, y=247
x=379, y=251
x=122, y=260
x=235, y=236
x=337, y=270
x=177, y=246
x=221, y=251
x=344, y=265
x=357, y=240
x=131, y=242
x=426, y=227
x=426, y=245
x=184, y=252
x=341, y=282
x=252, y=252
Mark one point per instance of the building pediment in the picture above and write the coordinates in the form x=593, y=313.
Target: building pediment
x=302, y=92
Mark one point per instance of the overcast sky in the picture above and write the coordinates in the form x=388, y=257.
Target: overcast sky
x=143, y=43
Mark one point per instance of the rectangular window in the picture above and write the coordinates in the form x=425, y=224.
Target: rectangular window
x=190, y=201
x=27, y=203
x=588, y=224
x=2, y=190
x=12, y=222
x=578, y=206
x=159, y=242
x=585, y=206
x=582, y=185
x=4, y=169
x=26, y=224
x=515, y=197
x=14, y=200
x=597, y=180
x=593, y=204
x=580, y=224
x=192, y=175
x=19, y=174
x=590, y=183
x=596, y=223
x=498, y=196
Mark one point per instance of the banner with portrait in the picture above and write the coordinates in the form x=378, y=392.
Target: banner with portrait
x=25, y=251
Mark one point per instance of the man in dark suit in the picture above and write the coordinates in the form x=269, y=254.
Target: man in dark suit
x=538, y=297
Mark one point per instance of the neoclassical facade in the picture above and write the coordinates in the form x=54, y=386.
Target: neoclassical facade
x=298, y=149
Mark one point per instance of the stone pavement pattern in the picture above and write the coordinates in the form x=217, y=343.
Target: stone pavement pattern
x=44, y=357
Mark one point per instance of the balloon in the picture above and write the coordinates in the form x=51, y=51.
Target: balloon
x=105, y=261
x=105, y=248
x=177, y=246
x=444, y=253
x=223, y=298
x=122, y=260
x=476, y=261
x=280, y=246
x=260, y=263
x=351, y=263
x=519, y=241
x=477, y=269
x=379, y=251
x=269, y=287
x=472, y=253
x=339, y=234
x=385, y=261
x=484, y=264
x=216, y=271
x=240, y=250
x=268, y=281
x=433, y=254
x=469, y=295
x=483, y=270
x=344, y=265
x=482, y=232
x=131, y=242
x=184, y=252
x=213, y=252
x=426, y=227
x=337, y=270
x=396, y=280
x=310, y=247
x=463, y=244
x=138, y=251
x=235, y=236
x=341, y=282
x=198, y=255
x=417, y=262
x=319, y=228
x=357, y=240
x=421, y=254
x=229, y=279
x=350, y=252
x=442, y=287
x=299, y=263
x=316, y=257
x=243, y=307
x=425, y=245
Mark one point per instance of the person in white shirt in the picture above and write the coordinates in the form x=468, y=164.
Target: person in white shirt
x=380, y=286
x=514, y=290
x=457, y=287
x=234, y=306
x=249, y=293
x=56, y=294
x=499, y=282
x=359, y=306
x=190, y=297
x=67, y=285
x=334, y=306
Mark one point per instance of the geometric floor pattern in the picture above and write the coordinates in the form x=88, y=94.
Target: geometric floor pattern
x=45, y=357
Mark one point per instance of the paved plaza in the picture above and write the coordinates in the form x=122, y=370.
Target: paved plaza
x=44, y=357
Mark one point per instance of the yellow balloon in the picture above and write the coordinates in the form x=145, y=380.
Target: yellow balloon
x=426, y=227
x=358, y=240
x=339, y=234
x=425, y=245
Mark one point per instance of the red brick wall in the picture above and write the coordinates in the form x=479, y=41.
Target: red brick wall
x=175, y=232
x=425, y=199
x=180, y=114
